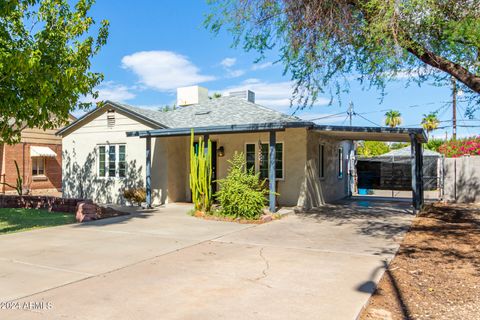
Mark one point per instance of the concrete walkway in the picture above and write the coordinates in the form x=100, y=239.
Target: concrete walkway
x=167, y=265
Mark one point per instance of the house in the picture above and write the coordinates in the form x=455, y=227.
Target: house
x=39, y=159
x=118, y=146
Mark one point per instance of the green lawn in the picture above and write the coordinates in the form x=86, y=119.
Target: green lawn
x=14, y=220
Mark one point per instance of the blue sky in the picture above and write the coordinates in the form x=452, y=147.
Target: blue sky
x=156, y=46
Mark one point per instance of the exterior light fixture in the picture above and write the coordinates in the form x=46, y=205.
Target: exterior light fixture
x=221, y=151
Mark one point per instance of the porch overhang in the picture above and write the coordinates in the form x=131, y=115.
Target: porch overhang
x=416, y=136
x=337, y=132
x=372, y=133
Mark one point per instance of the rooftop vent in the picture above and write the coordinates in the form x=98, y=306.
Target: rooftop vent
x=111, y=118
x=201, y=113
x=244, y=94
x=191, y=95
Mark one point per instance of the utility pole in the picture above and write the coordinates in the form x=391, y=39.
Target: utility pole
x=350, y=112
x=454, y=109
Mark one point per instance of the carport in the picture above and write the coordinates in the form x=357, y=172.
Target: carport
x=415, y=136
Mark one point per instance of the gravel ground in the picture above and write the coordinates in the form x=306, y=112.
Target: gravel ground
x=436, y=272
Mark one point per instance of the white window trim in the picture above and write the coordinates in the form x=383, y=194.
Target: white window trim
x=257, y=163
x=117, y=158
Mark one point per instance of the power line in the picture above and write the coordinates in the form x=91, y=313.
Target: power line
x=357, y=114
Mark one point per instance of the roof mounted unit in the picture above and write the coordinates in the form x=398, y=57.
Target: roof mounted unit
x=191, y=95
x=244, y=94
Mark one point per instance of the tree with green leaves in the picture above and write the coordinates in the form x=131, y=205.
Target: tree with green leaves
x=393, y=118
x=372, y=148
x=430, y=122
x=45, y=52
x=323, y=43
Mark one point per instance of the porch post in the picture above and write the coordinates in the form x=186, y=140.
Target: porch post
x=271, y=171
x=148, y=174
x=419, y=154
x=413, y=159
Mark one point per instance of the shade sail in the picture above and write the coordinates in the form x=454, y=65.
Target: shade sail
x=37, y=151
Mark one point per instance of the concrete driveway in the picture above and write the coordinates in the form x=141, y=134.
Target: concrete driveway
x=165, y=264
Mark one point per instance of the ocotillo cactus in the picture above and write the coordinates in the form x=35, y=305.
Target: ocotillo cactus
x=201, y=174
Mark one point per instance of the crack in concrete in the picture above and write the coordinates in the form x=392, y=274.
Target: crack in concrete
x=267, y=265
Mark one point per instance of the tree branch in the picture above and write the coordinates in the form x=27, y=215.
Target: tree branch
x=460, y=73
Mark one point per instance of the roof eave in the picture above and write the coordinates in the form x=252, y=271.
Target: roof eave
x=115, y=106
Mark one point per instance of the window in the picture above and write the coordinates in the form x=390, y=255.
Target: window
x=122, y=164
x=101, y=161
x=250, y=155
x=38, y=166
x=340, y=162
x=262, y=164
x=321, y=161
x=112, y=161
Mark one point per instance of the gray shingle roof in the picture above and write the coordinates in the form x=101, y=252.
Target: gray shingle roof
x=405, y=152
x=220, y=111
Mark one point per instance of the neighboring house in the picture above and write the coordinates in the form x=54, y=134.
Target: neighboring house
x=39, y=158
x=103, y=154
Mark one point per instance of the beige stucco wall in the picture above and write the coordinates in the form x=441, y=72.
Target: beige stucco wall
x=317, y=191
x=301, y=185
x=80, y=167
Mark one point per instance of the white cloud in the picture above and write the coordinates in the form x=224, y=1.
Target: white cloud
x=110, y=90
x=164, y=70
x=235, y=73
x=227, y=65
x=276, y=95
x=228, y=62
x=261, y=66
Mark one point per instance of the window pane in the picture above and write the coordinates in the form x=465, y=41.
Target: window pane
x=122, y=165
x=250, y=156
x=263, y=165
x=101, y=161
x=41, y=166
x=340, y=162
x=321, y=160
x=111, y=161
x=34, y=167
x=279, y=161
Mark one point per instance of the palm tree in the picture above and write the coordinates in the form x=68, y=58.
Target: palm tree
x=430, y=122
x=393, y=118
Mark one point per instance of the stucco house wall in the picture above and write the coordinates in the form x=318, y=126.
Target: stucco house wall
x=301, y=185
x=316, y=191
x=80, y=159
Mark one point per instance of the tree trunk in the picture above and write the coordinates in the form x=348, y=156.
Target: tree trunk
x=460, y=73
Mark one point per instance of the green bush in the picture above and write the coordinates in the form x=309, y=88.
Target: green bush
x=242, y=193
x=137, y=195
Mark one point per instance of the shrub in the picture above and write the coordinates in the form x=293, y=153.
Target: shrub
x=461, y=147
x=434, y=144
x=135, y=195
x=242, y=193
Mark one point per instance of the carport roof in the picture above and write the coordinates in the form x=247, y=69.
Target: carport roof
x=337, y=132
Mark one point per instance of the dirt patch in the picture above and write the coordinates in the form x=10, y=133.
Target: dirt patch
x=436, y=272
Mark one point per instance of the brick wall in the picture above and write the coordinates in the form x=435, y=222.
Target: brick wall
x=21, y=153
x=40, y=202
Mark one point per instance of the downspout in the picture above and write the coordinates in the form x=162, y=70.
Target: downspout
x=23, y=163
